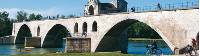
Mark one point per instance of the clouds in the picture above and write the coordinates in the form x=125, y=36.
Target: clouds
x=47, y=12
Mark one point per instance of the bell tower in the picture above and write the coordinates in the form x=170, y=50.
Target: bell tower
x=92, y=8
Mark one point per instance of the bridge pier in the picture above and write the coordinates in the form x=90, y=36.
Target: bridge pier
x=7, y=40
x=33, y=42
x=77, y=45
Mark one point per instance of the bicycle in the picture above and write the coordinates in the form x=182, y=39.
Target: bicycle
x=153, y=51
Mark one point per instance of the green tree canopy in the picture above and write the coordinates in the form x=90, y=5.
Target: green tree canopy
x=62, y=16
x=35, y=17
x=4, y=16
x=5, y=24
x=38, y=17
x=32, y=16
x=21, y=16
x=142, y=30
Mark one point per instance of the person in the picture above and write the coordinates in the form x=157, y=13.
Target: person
x=133, y=9
x=197, y=40
x=188, y=50
x=194, y=43
x=154, y=45
x=153, y=49
x=194, y=46
x=84, y=34
x=159, y=7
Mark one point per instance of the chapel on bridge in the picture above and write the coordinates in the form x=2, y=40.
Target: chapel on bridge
x=94, y=7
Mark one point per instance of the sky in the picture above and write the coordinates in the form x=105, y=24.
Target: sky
x=67, y=7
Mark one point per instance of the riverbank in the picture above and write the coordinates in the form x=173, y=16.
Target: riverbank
x=132, y=39
x=79, y=54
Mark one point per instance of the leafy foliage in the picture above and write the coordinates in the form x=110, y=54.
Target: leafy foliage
x=142, y=30
x=22, y=16
x=5, y=24
x=35, y=17
x=32, y=16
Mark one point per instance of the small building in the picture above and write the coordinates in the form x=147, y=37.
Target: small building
x=94, y=7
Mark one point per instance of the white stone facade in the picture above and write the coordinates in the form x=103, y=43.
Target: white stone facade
x=177, y=28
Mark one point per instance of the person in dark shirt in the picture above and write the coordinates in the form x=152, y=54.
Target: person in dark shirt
x=159, y=6
x=154, y=45
x=133, y=9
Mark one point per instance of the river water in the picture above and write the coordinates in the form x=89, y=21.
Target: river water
x=139, y=47
x=134, y=47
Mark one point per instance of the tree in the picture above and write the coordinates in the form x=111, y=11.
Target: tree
x=38, y=17
x=5, y=24
x=58, y=16
x=35, y=17
x=142, y=30
x=4, y=16
x=71, y=16
x=62, y=16
x=49, y=17
x=53, y=17
x=32, y=16
x=21, y=16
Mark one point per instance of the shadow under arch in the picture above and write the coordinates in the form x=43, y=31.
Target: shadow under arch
x=23, y=32
x=55, y=37
x=116, y=39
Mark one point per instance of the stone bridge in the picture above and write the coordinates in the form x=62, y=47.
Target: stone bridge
x=108, y=31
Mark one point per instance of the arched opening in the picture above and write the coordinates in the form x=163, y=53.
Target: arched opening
x=23, y=32
x=38, y=31
x=94, y=26
x=55, y=37
x=197, y=40
x=91, y=10
x=76, y=28
x=117, y=39
x=84, y=27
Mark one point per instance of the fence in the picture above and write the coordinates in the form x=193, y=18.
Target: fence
x=167, y=7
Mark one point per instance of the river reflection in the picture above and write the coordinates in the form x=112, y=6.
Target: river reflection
x=139, y=46
x=134, y=47
x=12, y=50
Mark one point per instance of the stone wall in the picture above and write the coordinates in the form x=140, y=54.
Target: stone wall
x=7, y=40
x=176, y=28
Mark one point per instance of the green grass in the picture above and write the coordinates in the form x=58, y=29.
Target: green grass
x=78, y=54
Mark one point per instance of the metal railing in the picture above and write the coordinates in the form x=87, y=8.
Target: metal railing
x=167, y=7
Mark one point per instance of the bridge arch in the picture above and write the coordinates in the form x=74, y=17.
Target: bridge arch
x=76, y=28
x=23, y=32
x=84, y=27
x=94, y=26
x=117, y=36
x=55, y=37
